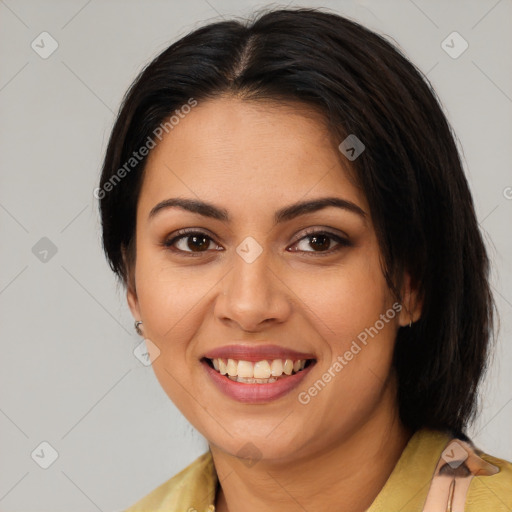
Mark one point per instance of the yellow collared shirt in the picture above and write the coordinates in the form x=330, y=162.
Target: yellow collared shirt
x=194, y=488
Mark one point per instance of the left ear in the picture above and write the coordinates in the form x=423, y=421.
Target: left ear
x=411, y=303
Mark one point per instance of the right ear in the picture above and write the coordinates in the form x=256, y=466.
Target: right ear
x=131, y=291
x=133, y=302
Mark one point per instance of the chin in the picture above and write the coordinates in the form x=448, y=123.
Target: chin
x=260, y=441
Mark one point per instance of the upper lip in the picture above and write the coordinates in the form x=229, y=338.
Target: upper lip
x=256, y=353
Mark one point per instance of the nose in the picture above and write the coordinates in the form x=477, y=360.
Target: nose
x=253, y=297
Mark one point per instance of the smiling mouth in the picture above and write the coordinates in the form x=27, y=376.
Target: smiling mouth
x=260, y=372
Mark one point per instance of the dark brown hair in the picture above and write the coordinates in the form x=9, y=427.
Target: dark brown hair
x=410, y=172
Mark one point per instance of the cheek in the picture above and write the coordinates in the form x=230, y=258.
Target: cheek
x=358, y=330
x=170, y=304
x=348, y=303
x=346, y=300
x=172, y=313
x=354, y=316
x=170, y=298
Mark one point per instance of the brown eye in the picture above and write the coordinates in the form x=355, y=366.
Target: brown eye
x=320, y=242
x=198, y=243
x=190, y=242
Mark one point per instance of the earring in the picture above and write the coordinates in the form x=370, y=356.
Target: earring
x=137, y=324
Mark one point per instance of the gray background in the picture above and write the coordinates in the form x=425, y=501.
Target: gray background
x=67, y=372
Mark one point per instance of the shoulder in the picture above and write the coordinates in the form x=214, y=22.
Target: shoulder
x=491, y=492
x=471, y=479
x=192, y=488
x=431, y=468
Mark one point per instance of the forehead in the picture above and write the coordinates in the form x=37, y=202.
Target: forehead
x=233, y=150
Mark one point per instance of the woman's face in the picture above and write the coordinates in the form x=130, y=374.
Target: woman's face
x=250, y=283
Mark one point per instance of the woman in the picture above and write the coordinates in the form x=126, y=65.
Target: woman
x=286, y=207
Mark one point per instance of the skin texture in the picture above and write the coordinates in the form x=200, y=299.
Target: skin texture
x=252, y=159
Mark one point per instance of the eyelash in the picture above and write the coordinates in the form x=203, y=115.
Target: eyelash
x=185, y=233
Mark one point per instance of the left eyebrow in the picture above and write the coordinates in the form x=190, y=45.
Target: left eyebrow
x=283, y=215
x=301, y=208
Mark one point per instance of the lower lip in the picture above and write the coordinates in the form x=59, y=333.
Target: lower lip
x=256, y=393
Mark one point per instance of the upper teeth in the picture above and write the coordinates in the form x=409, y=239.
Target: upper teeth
x=260, y=370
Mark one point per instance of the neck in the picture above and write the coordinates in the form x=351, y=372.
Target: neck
x=352, y=471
